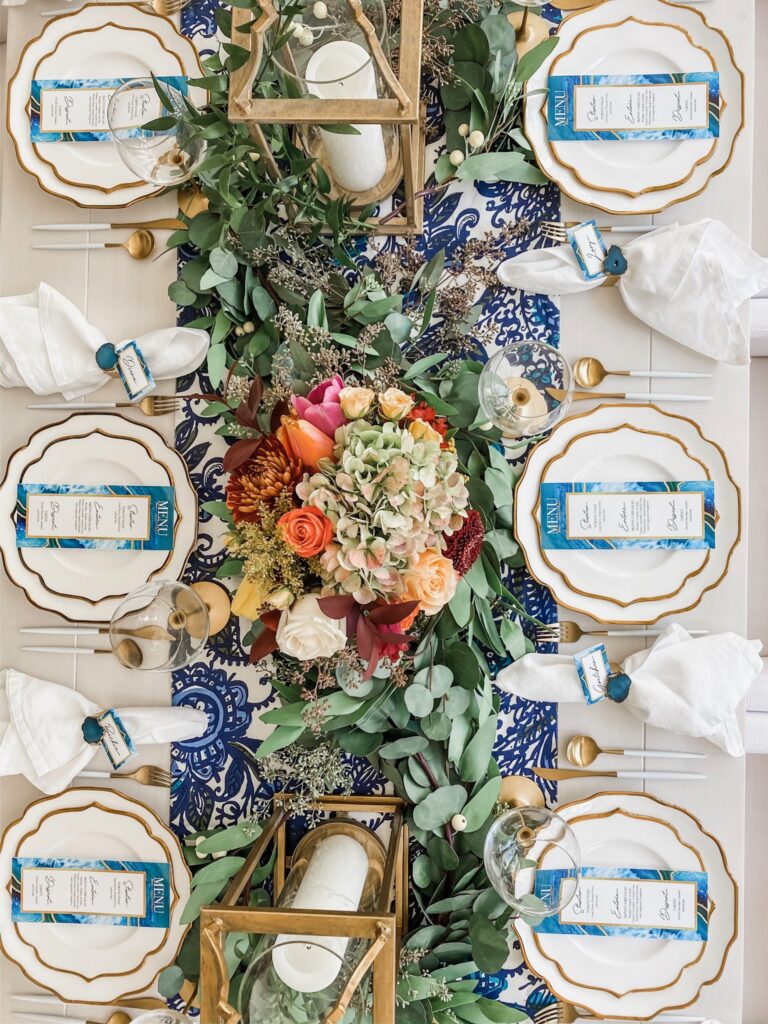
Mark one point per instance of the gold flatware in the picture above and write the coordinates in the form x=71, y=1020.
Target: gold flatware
x=152, y=405
x=583, y=750
x=565, y=1013
x=557, y=230
x=135, y=1003
x=118, y=1017
x=161, y=224
x=558, y=774
x=588, y=372
x=639, y=396
x=566, y=632
x=127, y=651
x=147, y=775
x=150, y=632
x=138, y=246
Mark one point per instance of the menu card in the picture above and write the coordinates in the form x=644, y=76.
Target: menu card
x=75, y=109
x=94, y=516
x=588, y=108
x=647, y=903
x=629, y=514
x=73, y=891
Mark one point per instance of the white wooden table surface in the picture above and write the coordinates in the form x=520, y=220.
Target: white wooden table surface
x=125, y=298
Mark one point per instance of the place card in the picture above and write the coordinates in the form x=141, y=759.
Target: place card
x=75, y=109
x=94, y=516
x=633, y=514
x=594, y=670
x=588, y=108
x=647, y=903
x=72, y=891
x=589, y=248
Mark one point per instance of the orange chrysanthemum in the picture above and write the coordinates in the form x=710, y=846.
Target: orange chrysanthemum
x=270, y=471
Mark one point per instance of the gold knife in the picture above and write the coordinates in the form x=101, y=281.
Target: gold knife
x=558, y=774
x=641, y=396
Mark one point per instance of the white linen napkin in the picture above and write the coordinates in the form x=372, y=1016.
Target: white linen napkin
x=41, y=729
x=47, y=345
x=685, y=685
x=686, y=281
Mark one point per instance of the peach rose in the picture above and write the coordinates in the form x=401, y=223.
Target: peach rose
x=394, y=404
x=307, y=531
x=431, y=581
x=421, y=431
x=304, y=441
x=356, y=402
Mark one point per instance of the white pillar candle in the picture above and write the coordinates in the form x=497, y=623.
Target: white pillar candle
x=343, y=70
x=333, y=880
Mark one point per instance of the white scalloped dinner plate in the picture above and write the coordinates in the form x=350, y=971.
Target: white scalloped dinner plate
x=683, y=576
x=723, y=926
x=92, y=963
x=112, y=40
x=612, y=12
x=637, y=165
x=86, y=584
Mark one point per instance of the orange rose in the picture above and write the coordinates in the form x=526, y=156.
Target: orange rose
x=431, y=581
x=307, y=531
x=304, y=441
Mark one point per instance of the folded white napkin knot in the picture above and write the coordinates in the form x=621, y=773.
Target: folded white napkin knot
x=685, y=280
x=41, y=729
x=691, y=686
x=47, y=345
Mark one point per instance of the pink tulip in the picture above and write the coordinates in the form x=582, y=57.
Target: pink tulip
x=321, y=407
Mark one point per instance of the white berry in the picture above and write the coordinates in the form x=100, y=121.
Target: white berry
x=463, y=130
x=456, y=158
x=476, y=139
x=218, y=855
x=297, y=28
x=249, y=326
x=306, y=38
x=199, y=840
x=320, y=10
x=458, y=823
x=239, y=332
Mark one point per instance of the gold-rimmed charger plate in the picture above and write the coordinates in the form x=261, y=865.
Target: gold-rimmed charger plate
x=675, y=49
x=644, y=968
x=106, y=989
x=593, y=561
x=732, y=117
x=727, y=504
x=709, y=968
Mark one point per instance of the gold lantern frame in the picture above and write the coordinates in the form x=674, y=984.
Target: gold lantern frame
x=383, y=927
x=401, y=108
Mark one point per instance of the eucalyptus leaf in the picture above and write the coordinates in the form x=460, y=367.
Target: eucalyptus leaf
x=478, y=809
x=490, y=947
x=418, y=700
x=474, y=760
x=439, y=807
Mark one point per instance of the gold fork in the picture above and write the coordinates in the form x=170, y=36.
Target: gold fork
x=566, y=632
x=565, y=1013
x=151, y=405
x=556, y=230
x=147, y=775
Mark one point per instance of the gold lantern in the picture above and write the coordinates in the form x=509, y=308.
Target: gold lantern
x=333, y=69
x=324, y=957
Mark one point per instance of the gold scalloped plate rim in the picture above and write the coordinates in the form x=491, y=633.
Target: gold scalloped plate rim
x=669, y=611
x=592, y=200
x=729, y=945
x=561, y=572
x=185, y=928
x=651, y=188
x=599, y=988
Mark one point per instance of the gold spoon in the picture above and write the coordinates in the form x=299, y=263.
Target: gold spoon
x=588, y=372
x=139, y=245
x=582, y=751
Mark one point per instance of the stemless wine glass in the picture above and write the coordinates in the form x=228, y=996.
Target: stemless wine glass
x=164, y=157
x=513, y=388
x=521, y=842
x=159, y=627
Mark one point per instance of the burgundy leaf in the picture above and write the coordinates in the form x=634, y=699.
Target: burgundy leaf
x=264, y=644
x=373, y=661
x=244, y=416
x=281, y=409
x=271, y=619
x=239, y=453
x=337, y=606
x=352, y=616
x=366, y=639
x=389, y=614
x=256, y=394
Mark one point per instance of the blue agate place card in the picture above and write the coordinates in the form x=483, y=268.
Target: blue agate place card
x=66, y=890
x=594, y=669
x=629, y=514
x=645, y=903
x=589, y=248
x=589, y=108
x=75, y=109
x=95, y=516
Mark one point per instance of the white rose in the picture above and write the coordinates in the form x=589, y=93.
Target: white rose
x=306, y=632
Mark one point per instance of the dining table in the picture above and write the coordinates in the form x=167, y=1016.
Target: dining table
x=124, y=298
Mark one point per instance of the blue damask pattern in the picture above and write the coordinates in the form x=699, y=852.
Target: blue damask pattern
x=214, y=781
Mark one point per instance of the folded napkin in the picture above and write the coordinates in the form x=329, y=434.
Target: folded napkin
x=685, y=685
x=686, y=281
x=41, y=729
x=47, y=345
